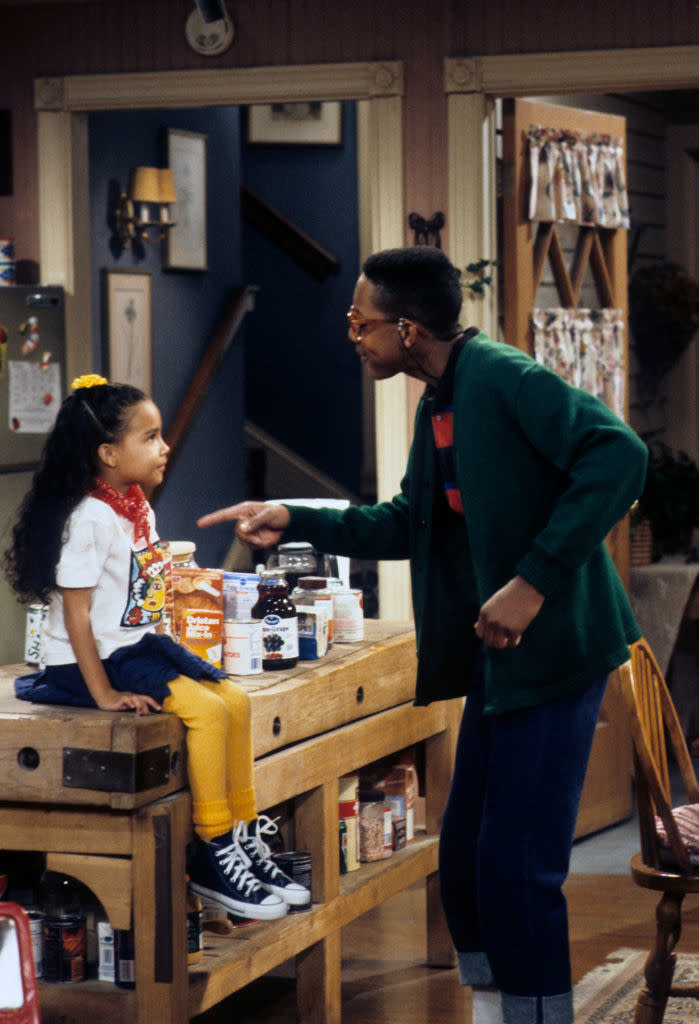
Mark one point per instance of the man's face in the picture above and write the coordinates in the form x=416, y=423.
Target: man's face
x=376, y=339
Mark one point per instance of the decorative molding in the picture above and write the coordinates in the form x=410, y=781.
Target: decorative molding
x=462, y=75
x=220, y=87
x=49, y=94
x=528, y=74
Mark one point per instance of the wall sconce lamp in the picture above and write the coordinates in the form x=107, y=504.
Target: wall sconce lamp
x=143, y=210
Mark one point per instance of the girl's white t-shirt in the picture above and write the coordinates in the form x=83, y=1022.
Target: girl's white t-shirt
x=126, y=577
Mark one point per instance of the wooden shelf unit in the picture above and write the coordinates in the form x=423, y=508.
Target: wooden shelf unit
x=323, y=720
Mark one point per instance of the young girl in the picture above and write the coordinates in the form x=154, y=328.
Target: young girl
x=85, y=543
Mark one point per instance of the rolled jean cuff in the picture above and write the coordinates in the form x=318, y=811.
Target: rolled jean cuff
x=474, y=969
x=525, y=1009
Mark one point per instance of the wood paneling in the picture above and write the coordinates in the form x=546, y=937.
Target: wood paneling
x=42, y=39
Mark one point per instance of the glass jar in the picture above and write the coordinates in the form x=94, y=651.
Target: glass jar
x=313, y=604
x=280, y=644
x=375, y=826
x=182, y=553
x=296, y=559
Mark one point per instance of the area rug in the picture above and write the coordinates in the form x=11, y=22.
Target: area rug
x=608, y=994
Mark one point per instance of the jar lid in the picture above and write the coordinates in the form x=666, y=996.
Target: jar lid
x=182, y=548
x=311, y=582
x=296, y=546
x=272, y=576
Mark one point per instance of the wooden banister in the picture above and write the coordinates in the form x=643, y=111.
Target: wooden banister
x=242, y=302
x=295, y=243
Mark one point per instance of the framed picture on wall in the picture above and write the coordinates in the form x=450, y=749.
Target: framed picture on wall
x=5, y=153
x=128, y=323
x=185, y=244
x=296, y=124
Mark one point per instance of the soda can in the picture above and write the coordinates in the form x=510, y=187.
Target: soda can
x=36, y=613
x=242, y=646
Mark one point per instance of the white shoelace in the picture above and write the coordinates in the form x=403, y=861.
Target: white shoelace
x=236, y=869
x=266, y=826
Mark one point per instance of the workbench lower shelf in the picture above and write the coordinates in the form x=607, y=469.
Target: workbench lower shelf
x=230, y=962
x=311, y=727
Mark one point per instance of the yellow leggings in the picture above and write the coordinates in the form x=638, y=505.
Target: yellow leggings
x=219, y=751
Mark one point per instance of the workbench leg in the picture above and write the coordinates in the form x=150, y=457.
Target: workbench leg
x=440, y=947
x=316, y=831
x=318, y=982
x=159, y=911
x=318, y=968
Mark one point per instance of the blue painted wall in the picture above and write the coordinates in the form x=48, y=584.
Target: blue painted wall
x=303, y=378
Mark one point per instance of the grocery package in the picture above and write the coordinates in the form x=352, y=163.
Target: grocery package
x=197, y=611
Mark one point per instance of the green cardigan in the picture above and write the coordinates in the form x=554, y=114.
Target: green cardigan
x=545, y=470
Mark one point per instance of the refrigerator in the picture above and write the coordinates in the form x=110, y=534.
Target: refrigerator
x=32, y=370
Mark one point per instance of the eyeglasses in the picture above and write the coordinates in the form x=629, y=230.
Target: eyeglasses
x=357, y=323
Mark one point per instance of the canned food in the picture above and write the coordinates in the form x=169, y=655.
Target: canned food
x=64, y=948
x=242, y=647
x=348, y=616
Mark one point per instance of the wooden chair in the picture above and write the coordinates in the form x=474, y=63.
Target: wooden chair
x=655, y=727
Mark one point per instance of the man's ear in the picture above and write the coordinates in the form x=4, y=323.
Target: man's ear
x=107, y=455
x=406, y=332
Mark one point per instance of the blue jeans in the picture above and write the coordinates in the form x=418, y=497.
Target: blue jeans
x=505, y=848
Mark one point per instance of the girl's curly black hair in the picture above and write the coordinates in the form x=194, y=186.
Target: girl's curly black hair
x=87, y=418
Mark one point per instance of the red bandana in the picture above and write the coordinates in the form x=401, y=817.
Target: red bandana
x=132, y=506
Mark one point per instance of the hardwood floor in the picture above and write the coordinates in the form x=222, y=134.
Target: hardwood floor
x=385, y=980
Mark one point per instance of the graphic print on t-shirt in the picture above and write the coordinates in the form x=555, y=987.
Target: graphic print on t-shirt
x=146, y=597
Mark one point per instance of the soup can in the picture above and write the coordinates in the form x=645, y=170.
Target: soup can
x=242, y=646
x=65, y=945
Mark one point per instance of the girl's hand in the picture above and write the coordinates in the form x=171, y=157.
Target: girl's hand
x=141, y=703
x=260, y=525
x=505, y=616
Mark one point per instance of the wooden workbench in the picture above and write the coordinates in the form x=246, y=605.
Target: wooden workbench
x=104, y=796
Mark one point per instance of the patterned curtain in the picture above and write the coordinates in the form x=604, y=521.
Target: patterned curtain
x=577, y=178
x=586, y=348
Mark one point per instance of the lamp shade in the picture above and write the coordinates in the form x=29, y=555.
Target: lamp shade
x=166, y=185
x=144, y=185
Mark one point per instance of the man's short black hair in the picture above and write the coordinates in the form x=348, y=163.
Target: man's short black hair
x=419, y=283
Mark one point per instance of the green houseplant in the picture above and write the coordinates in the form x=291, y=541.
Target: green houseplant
x=670, y=499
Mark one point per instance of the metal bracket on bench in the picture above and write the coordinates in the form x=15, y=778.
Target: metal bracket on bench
x=114, y=772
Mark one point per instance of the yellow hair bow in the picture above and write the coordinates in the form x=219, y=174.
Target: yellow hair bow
x=88, y=380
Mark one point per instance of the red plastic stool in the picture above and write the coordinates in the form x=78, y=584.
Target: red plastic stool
x=14, y=917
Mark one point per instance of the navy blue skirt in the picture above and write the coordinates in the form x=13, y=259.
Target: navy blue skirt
x=145, y=667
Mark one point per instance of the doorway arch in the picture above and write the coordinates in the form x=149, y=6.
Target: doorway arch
x=62, y=105
x=472, y=85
